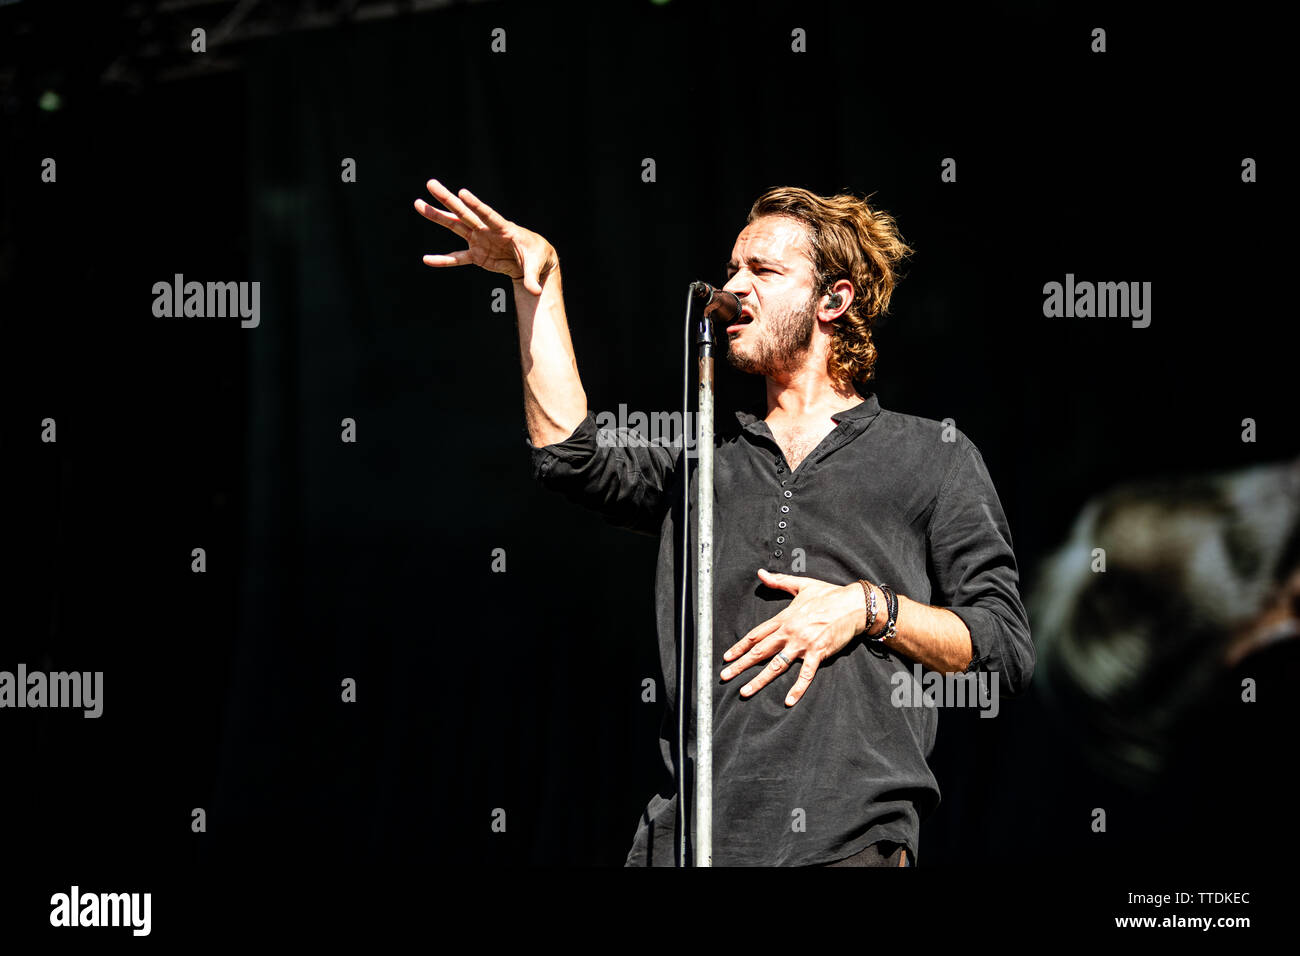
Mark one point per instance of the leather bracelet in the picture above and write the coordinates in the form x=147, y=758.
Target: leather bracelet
x=871, y=605
x=891, y=615
x=891, y=604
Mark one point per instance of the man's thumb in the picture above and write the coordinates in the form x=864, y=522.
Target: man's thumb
x=786, y=582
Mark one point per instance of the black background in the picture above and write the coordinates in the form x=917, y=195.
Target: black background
x=372, y=560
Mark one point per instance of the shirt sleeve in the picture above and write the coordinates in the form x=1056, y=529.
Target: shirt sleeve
x=614, y=471
x=974, y=571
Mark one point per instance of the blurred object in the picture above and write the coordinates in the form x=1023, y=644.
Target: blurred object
x=1198, y=573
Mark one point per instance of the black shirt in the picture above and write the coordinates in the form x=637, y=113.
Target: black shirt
x=888, y=497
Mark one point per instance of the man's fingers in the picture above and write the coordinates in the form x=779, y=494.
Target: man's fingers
x=452, y=202
x=776, y=667
x=752, y=638
x=759, y=652
x=461, y=258
x=806, y=674
x=484, y=211
x=442, y=218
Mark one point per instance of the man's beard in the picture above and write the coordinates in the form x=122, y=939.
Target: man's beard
x=781, y=345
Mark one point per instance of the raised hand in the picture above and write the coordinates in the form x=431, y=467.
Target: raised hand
x=494, y=243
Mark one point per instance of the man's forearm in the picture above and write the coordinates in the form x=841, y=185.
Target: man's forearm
x=933, y=636
x=554, y=400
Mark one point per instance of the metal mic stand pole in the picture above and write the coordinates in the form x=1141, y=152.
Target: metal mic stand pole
x=704, y=598
x=727, y=307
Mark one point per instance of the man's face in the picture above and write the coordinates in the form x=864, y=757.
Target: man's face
x=771, y=273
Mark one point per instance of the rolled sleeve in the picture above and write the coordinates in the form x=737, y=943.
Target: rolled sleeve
x=974, y=571
x=615, y=472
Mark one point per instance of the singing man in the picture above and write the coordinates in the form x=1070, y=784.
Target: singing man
x=851, y=542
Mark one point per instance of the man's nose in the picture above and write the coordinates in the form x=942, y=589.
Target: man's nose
x=737, y=287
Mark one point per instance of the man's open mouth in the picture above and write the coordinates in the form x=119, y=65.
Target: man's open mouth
x=742, y=320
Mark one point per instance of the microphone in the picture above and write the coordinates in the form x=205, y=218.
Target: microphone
x=723, y=307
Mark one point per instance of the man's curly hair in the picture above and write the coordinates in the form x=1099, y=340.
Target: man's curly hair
x=848, y=240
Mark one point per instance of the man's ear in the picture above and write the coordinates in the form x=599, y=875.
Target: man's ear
x=838, y=298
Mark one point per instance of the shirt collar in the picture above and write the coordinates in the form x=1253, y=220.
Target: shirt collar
x=869, y=406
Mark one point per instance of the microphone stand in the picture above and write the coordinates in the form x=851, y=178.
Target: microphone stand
x=702, y=805
x=704, y=597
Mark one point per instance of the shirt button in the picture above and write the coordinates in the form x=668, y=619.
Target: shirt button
x=780, y=539
x=777, y=552
x=788, y=494
x=785, y=509
x=780, y=524
x=784, y=483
